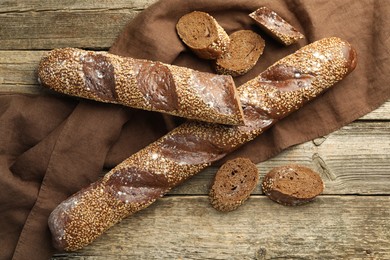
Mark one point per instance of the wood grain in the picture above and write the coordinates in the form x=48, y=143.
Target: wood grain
x=352, y=160
x=18, y=69
x=332, y=227
x=53, y=24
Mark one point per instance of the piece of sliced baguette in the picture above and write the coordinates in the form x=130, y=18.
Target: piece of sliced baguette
x=242, y=54
x=276, y=26
x=203, y=35
x=233, y=184
x=292, y=185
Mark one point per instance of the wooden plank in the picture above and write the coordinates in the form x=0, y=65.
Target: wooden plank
x=23, y=6
x=352, y=160
x=53, y=24
x=18, y=68
x=356, y=159
x=331, y=227
x=381, y=113
x=22, y=89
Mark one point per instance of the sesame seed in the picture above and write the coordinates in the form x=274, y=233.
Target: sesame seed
x=62, y=71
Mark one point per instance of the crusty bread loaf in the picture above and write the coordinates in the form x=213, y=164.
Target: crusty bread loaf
x=150, y=173
x=142, y=84
x=202, y=34
x=242, y=54
x=276, y=26
x=233, y=184
x=292, y=185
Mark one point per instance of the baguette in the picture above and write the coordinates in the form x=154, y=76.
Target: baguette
x=142, y=84
x=148, y=174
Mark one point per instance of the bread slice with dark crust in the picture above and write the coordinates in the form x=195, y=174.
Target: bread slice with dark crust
x=202, y=34
x=233, y=184
x=292, y=185
x=276, y=26
x=242, y=54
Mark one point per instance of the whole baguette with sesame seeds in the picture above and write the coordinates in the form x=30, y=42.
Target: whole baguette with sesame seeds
x=142, y=84
x=203, y=35
x=148, y=174
x=276, y=26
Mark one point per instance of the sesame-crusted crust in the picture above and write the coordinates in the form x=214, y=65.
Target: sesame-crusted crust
x=185, y=151
x=219, y=38
x=142, y=84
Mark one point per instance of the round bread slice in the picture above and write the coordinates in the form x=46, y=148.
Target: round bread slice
x=292, y=185
x=233, y=184
x=242, y=54
x=202, y=34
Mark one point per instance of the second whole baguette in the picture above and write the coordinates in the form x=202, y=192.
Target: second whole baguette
x=148, y=174
x=142, y=84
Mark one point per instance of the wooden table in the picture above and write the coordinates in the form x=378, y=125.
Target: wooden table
x=350, y=220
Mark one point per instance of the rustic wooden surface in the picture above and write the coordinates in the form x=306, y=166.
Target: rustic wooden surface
x=351, y=220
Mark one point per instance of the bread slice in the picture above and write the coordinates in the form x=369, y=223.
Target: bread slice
x=292, y=185
x=233, y=184
x=202, y=34
x=276, y=26
x=242, y=54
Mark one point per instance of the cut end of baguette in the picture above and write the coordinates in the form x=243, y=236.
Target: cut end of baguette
x=233, y=184
x=202, y=34
x=276, y=26
x=292, y=185
x=242, y=54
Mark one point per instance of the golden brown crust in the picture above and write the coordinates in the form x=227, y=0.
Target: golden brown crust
x=142, y=84
x=185, y=151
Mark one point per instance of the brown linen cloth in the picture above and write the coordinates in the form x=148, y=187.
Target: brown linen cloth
x=51, y=146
